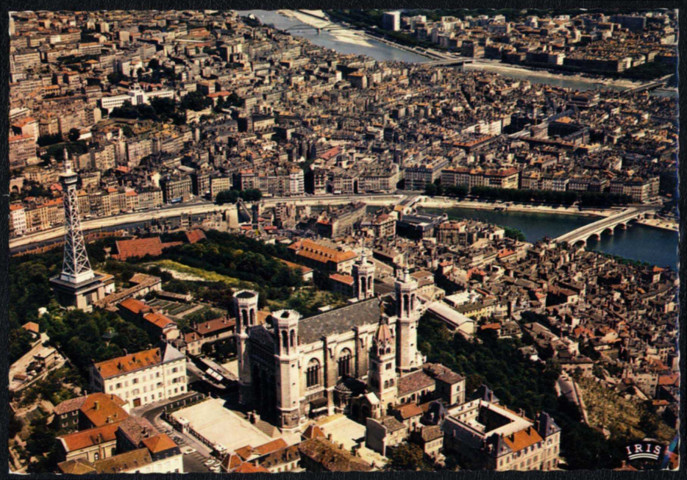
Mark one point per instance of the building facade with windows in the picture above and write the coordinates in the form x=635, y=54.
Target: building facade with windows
x=501, y=439
x=293, y=368
x=143, y=377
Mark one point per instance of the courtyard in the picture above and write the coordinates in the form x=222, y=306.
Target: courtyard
x=219, y=425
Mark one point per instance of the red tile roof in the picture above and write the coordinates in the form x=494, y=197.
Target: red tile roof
x=159, y=443
x=77, y=466
x=195, y=235
x=128, y=363
x=134, y=306
x=673, y=379
x=99, y=408
x=103, y=408
x=31, y=327
x=320, y=253
x=231, y=462
x=409, y=411
x=522, y=439
x=270, y=447
x=215, y=325
x=313, y=431
x=346, y=279
x=158, y=320
x=88, y=438
x=244, y=452
x=138, y=247
x=250, y=468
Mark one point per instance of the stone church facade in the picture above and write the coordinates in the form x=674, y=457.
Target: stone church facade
x=293, y=368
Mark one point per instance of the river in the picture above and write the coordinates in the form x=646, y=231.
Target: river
x=639, y=242
x=346, y=44
x=352, y=43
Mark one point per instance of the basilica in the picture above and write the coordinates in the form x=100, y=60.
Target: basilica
x=351, y=359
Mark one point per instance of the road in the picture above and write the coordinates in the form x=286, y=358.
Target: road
x=194, y=461
x=194, y=208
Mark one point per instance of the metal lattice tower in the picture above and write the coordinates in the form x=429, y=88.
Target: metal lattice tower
x=76, y=267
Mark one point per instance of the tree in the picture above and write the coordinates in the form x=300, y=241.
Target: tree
x=115, y=77
x=512, y=232
x=195, y=101
x=73, y=134
x=251, y=195
x=45, y=140
x=431, y=189
x=407, y=456
x=227, y=196
x=19, y=343
x=234, y=100
x=127, y=110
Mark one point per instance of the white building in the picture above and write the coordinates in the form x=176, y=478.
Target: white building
x=391, y=21
x=296, y=182
x=135, y=97
x=17, y=219
x=143, y=377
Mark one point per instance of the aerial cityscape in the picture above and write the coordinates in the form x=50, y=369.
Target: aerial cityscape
x=343, y=240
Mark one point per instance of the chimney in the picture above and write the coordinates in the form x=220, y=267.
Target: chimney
x=96, y=405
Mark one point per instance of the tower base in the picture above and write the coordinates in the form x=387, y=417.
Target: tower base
x=245, y=394
x=82, y=295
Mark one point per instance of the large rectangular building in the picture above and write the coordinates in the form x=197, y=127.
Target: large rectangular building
x=143, y=377
x=500, y=439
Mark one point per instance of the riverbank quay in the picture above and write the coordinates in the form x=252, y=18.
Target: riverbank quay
x=543, y=74
x=448, y=202
x=319, y=19
x=660, y=223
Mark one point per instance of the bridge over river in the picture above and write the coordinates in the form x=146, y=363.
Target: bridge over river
x=604, y=225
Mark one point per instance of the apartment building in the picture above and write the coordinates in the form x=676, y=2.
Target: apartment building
x=501, y=178
x=501, y=438
x=143, y=377
x=17, y=219
x=321, y=257
x=418, y=176
x=22, y=150
x=176, y=188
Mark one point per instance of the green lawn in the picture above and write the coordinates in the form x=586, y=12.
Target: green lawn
x=200, y=273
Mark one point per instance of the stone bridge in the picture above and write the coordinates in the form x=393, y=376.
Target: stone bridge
x=604, y=225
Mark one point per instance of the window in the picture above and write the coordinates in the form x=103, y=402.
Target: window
x=388, y=366
x=344, y=362
x=312, y=374
x=134, y=381
x=96, y=456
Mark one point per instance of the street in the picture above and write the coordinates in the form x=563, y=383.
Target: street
x=193, y=461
